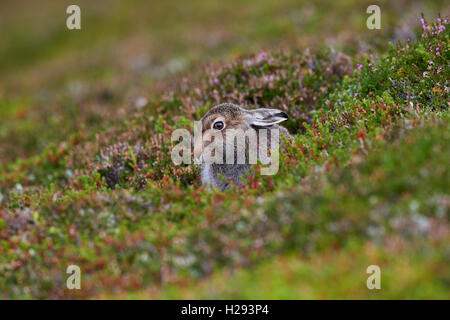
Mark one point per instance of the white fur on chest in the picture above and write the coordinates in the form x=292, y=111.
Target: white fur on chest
x=207, y=176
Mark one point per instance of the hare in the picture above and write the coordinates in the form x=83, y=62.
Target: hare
x=222, y=120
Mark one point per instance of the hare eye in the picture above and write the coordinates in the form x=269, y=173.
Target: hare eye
x=219, y=125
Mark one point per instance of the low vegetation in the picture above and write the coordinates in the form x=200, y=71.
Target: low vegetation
x=365, y=182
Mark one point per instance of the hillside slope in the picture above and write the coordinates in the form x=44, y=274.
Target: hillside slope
x=367, y=173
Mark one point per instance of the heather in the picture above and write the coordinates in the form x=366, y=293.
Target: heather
x=365, y=181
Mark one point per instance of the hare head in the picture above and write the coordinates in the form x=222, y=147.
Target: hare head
x=225, y=120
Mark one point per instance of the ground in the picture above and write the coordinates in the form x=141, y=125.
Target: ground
x=86, y=176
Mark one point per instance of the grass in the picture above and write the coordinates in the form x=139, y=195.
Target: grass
x=366, y=181
x=334, y=228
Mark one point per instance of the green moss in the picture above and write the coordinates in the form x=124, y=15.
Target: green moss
x=367, y=170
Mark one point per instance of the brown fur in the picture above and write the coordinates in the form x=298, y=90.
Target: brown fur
x=235, y=117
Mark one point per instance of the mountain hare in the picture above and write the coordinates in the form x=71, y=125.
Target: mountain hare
x=250, y=128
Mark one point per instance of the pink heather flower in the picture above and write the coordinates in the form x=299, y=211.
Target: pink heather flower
x=424, y=25
x=360, y=67
x=261, y=56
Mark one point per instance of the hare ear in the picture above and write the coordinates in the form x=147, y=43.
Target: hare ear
x=265, y=117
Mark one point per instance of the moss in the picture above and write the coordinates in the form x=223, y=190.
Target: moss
x=368, y=168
